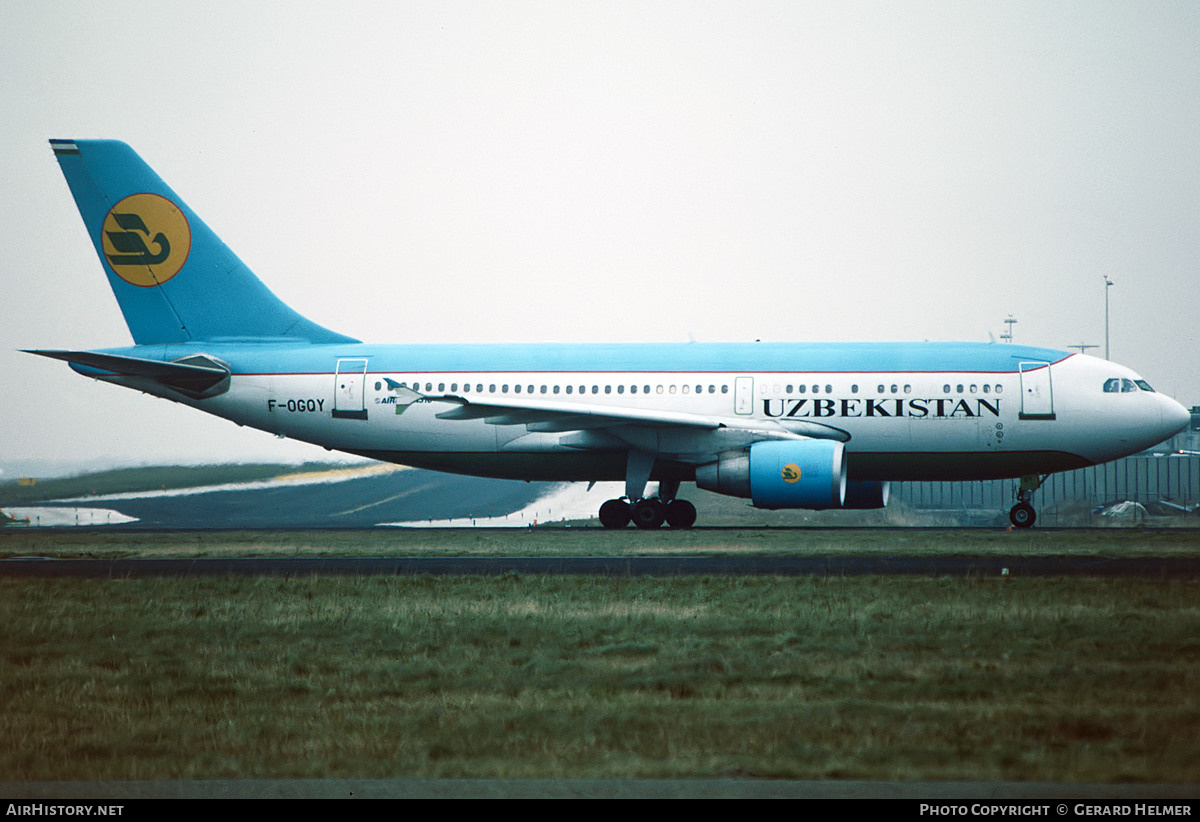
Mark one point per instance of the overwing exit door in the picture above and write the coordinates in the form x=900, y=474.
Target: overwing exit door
x=743, y=395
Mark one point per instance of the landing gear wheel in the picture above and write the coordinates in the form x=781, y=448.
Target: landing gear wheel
x=681, y=514
x=649, y=513
x=615, y=513
x=1022, y=515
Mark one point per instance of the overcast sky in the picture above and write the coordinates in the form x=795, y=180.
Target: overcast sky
x=609, y=171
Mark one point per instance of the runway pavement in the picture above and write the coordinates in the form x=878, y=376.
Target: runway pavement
x=824, y=566
x=352, y=501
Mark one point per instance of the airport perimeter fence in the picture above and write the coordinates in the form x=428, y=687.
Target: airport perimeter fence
x=1162, y=480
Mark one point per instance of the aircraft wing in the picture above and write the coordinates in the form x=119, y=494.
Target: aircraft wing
x=670, y=433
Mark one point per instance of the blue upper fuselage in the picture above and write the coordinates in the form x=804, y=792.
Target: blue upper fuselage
x=275, y=357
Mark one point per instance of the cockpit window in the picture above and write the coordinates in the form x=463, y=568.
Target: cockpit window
x=1120, y=385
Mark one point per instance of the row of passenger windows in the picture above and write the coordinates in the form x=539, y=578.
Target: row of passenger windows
x=960, y=388
x=492, y=388
x=569, y=389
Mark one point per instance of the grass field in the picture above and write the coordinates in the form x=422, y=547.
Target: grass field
x=864, y=678
x=594, y=541
x=854, y=678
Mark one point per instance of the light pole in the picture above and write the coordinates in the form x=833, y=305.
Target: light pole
x=1083, y=347
x=1008, y=335
x=1107, y=285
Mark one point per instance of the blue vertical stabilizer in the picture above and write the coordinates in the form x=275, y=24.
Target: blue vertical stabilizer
x=174, y=279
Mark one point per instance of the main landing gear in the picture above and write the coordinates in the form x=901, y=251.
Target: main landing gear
x=1022, y=514
x=647, y=513
x=643, y=511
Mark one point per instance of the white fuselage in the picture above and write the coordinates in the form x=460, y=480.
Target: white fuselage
x=898, y=425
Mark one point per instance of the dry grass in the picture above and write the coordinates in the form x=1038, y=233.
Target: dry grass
x=868, y=678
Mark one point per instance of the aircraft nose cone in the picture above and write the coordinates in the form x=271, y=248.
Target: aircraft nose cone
x=1175, y=417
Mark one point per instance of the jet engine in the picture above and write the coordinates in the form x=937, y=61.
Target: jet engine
x=781, y=474
x=865, y=495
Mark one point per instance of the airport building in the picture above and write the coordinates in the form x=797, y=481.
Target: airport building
x=1161, y=482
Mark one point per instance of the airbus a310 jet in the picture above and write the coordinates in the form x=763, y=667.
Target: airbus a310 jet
x=785, y=425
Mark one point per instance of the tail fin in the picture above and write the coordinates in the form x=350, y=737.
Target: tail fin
x=173, y=277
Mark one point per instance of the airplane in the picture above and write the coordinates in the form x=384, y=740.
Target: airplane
x=807, y=425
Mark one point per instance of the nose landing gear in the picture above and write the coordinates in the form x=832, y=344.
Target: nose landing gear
x=1022, y=514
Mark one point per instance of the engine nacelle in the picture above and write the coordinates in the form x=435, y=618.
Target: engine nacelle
x=781, y=474
x=865, y=495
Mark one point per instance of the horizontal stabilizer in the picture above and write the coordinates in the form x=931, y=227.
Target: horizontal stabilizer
x=197, y=376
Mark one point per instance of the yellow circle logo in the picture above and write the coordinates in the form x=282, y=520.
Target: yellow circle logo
x=791, y=473
x=146, y=239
